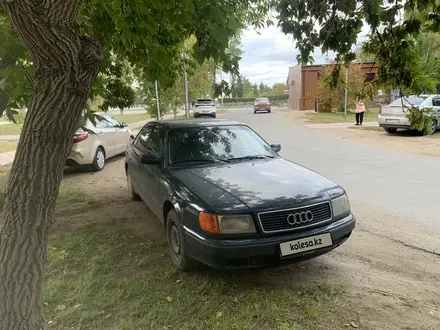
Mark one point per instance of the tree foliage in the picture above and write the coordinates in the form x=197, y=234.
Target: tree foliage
x=336, y=25
x=333, y=98
x=66, y=41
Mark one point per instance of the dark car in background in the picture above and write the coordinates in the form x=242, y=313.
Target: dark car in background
x=228, y=200
x=205, y=108
x=262, y=104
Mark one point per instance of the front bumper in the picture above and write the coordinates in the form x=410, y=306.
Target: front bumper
x=261, y=251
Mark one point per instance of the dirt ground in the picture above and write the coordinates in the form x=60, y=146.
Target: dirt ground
x=390, y=284
x=406, y=141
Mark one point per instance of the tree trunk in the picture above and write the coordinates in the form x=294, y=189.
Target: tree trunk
x=175, y=111
x=66, y=65
x=6, y=62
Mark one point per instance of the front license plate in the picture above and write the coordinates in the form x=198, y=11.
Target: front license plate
x=393, y=121
x=306, y=244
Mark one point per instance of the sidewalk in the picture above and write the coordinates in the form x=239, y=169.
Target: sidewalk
x=7, y=158
x=341, y=125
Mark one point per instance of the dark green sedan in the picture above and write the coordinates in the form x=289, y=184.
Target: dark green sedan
x=228, y=200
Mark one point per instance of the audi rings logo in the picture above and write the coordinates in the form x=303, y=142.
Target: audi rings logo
x=299, y=218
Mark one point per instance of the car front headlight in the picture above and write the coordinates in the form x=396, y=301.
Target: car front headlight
x=227, y=224
x=340, y=205
x=236, y=224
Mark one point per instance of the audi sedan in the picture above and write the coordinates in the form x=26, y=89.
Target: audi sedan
x=228, y=200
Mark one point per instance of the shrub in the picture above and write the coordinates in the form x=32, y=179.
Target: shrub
x=421, y=119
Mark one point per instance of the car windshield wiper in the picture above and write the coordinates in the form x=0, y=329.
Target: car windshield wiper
x=252, y=157
x=207, y=160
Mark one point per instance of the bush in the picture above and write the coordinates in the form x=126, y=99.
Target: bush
x=421, y=120
x=244, y=100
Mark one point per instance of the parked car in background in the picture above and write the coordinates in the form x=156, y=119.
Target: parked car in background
x=262, y=104
x=110, y=138
x=205, y=108
x=228, y=200
x=393, y=116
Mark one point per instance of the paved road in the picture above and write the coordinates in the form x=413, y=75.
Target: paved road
x=403, y=185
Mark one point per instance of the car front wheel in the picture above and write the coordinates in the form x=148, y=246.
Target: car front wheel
x=131, y=192
x=176, y=243
x=99, y=160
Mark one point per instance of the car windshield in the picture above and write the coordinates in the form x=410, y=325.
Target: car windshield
x=204, y=101
x=262, y=100
x=217, y=143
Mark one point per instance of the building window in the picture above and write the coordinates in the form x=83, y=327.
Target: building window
x=319, y=75
x=370, y=77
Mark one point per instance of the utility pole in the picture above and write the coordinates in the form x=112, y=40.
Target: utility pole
x=157, y=100
x=186, y=86
x=221, y=84
x=346, y=93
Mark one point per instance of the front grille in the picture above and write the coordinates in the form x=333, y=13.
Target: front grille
x=277, y=221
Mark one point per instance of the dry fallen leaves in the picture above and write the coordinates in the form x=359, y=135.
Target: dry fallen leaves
x=169, y=299
x=219, y=314
x=354, y=324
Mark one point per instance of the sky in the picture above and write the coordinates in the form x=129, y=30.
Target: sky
x=268, y=54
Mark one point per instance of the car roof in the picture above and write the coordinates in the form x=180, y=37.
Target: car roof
x=179, y=123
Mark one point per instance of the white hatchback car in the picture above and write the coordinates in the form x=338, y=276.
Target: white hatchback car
x=110, y=139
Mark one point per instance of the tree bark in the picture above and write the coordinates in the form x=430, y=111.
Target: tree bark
x=66, y=64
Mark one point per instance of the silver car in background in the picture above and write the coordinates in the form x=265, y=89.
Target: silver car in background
x=393, y=116
x=110, y=139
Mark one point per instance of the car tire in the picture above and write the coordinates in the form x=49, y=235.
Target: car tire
x=99, y=160
x=433, y=127
x=214, y=116
x=255, y=111
x=269, y=111
x=131, y=192
x=391, y=130
x=176, y=243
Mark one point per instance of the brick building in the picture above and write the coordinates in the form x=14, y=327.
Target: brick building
x=303, y=84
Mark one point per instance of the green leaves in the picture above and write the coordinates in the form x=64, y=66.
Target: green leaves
x=335, y=26
x=421, y=119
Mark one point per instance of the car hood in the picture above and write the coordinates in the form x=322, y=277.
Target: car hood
x=260, y=185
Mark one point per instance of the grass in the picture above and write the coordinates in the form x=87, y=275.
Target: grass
x=132, y=118
x=104, y=276
x=111, y=279
x=338, y=117
x=6, y=145
x=191, y=115
x=369, y=128
x=10, y=129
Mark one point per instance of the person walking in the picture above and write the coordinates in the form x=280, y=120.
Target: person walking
x=360, y=109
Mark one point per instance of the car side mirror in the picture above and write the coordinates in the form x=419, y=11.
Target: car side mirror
x=276, y=147
x=124, y=124
x=149, y=159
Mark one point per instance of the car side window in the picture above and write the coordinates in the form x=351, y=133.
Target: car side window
x=141, y=142
x=101, y=124
x=436, y=102
x=111, y=121
x=155, y=143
